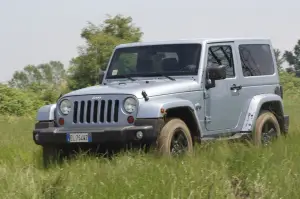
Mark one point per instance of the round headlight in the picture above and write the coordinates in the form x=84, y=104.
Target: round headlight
x=65, y=107
x=130, y=105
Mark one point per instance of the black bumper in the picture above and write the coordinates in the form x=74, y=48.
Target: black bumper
x=47, y=133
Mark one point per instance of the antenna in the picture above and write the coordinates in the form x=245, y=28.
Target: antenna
x=97, y=61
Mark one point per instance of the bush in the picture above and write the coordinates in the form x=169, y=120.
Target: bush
x=291, y=85
x=17, y=102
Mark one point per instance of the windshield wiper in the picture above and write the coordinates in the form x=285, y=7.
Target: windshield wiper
x=126, y=76
x=160, y=74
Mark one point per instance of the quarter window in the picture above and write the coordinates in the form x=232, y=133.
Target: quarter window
x=221, y=55
x=256, y=59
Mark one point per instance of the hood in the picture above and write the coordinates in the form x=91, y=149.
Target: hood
x=152, y=88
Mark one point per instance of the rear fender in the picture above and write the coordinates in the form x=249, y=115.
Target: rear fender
x=255, y=106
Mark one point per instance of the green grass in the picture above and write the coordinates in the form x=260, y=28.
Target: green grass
x=219, y=170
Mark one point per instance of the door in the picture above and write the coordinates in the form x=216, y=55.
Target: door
x=223, y=103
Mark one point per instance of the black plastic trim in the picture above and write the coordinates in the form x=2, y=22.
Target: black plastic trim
x=48, y=133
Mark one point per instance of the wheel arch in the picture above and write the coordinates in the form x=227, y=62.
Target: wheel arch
x=264, y=102
x=187, y=115
x=172, y=107
x=277, y=109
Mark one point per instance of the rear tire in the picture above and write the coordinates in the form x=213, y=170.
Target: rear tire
x=174, y=138
x=266, y=129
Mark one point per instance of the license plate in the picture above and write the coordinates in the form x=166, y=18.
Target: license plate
x=79, y=137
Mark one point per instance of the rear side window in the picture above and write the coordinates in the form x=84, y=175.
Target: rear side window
x=256, y=59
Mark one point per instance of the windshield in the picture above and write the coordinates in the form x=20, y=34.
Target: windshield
x=166, y=59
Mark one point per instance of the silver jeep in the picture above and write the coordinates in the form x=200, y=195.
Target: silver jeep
x=171, y=94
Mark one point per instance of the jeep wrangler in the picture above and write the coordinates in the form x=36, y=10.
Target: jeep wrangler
x=171, y=94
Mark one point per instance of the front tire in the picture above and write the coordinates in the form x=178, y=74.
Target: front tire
x=174, y=138
x=266, y=129
x=51, y=154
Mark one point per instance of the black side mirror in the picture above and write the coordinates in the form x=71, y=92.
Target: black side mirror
x=217, y=72
x=101, y=76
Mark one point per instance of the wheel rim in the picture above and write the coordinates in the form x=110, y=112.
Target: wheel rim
x=269, y=133
x=179, y=142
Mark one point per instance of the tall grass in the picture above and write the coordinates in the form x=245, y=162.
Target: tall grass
x=219, y=170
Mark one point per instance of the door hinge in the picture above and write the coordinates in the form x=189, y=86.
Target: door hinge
x=197, y=106
x=205, y=94
x=207, y=118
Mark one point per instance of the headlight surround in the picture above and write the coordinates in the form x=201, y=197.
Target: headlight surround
x=130, y=105
x=65, y=106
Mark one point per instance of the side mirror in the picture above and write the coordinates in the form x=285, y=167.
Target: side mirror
x=101, y=76
x=217, y=72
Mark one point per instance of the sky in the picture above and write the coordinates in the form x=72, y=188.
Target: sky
x=37, y=31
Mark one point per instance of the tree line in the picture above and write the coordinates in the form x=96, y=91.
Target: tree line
x=83, y=70
x=46, y=81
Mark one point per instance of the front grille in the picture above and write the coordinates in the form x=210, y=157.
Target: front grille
x=96, y=111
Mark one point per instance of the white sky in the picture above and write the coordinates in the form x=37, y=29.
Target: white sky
x=37, y=31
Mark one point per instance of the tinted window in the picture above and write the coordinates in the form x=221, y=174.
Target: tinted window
x=221, y=55
x=256, y=59
x=171, y=59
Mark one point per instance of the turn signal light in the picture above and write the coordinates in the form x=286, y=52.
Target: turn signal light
x=61, y=121
x=130, y=119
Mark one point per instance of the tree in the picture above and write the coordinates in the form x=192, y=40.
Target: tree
x=47, y=79
x=48, y=74
x=100, y=42
x=279, y=59
x=293, y=57
x=23, y=79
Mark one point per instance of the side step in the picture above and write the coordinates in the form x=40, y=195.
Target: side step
x=223, y=138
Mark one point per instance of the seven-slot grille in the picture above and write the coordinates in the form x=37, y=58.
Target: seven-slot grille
x=96, y=111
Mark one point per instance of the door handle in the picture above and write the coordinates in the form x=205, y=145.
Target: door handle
x=235, y=87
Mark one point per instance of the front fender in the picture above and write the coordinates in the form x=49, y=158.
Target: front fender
x=151, y=109
x=254, y=109
x=46, y=113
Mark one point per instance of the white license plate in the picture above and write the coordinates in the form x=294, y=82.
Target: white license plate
x=78, y=137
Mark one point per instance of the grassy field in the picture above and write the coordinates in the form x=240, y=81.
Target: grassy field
x=219, y=170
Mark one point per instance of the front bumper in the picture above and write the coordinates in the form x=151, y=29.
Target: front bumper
x=47, y=133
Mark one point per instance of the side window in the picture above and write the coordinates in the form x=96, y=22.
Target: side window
x=221, y=55
x=256, y=59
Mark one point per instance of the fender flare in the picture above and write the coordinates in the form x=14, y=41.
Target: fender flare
x=152, y=109
x=254, y=109
x=46, y=113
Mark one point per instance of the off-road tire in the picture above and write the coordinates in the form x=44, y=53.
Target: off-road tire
x=168, y=131
x=51, y=155
x=264, y=116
